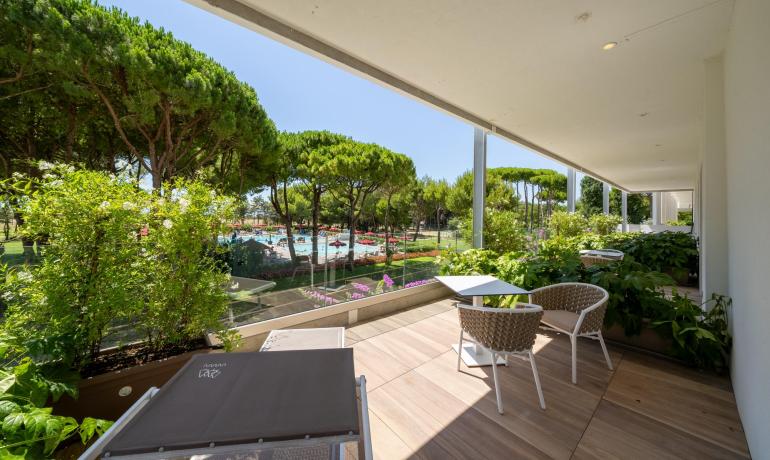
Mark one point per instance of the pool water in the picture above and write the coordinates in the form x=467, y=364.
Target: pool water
x=307, y=248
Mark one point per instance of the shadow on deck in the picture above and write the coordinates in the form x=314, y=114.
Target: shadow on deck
x=422, y=407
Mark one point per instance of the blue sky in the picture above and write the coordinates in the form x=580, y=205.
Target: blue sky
x=301, y=92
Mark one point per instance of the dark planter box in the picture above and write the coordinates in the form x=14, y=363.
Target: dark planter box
x=648, y=339
x=100, y=396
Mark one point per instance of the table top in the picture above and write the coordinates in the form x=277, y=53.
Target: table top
x=608, y=253
x=304, y=339
x=479, y=285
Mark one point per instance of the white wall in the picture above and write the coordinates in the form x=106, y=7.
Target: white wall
x=713, y=231
x=747, y=117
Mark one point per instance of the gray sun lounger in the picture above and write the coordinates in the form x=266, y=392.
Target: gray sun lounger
x=283, y=404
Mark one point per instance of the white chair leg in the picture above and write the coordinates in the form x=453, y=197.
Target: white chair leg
x=460, y=349
x=497, y=387
x=604, y=349
x=537, y=379
x=573, y=339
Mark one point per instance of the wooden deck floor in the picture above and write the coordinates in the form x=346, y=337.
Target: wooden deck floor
x=420, y=406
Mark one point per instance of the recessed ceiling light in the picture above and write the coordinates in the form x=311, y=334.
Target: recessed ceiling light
x=609, y=45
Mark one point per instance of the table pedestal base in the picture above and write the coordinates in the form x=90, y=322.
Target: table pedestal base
x=474, y=355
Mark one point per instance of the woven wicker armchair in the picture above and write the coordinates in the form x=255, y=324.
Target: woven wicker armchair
x=504, y=331
x=600, y=257
x=589, y=261
x=575, y=309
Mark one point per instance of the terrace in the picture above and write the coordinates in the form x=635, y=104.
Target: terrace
x=680, y=108
x=660, y=98
x=421, y=407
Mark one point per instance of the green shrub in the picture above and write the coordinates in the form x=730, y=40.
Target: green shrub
x=675, y=253
x=116, y=254
x=183, y=282
x=28, y=428
x=538, y=271
x=604, y=224
x=701, y=339
x=91, y=273
x=634, y=292
x=670, y=252
x=567, y=224
x=503, y=232
x=470, y=262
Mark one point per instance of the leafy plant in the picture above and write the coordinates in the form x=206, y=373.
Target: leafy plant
x=567, y=224
x=675, y=253
x=116, y=254
x=665, y=251
x=28, y=429
x=91, y=273
x=537, y=271
x=183, y=283
x=604, y=224
x=503, y=232
x=634, y=292
x=701, y=338
x=470, y=262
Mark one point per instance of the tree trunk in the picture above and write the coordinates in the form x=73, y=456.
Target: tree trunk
x=526, y=206
x=518, y=195
x=315, y=217
x=388, y=255
x=532, y=209
x=352, y=238
x=438, y=225
x=71, y=126
x=290, y=240
x=289, y=230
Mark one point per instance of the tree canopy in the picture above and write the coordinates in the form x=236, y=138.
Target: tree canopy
x=639, y=206
x=311, y=151
x=93, y=85
x=361, y=169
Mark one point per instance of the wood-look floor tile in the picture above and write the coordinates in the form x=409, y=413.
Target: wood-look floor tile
x=616, y=432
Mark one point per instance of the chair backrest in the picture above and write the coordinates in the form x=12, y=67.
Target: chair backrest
x=502, y=329
x=589, y=261
x=574, y=297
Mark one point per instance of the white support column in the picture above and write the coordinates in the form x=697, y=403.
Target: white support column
x=605, y=198
x=571, y=189
x=655, y=208
x=624, y=210
x=479, y=184
x=713, y=188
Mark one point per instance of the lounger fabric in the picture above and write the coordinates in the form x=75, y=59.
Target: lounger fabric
x=241, y=398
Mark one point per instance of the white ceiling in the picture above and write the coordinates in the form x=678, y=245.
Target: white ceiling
x=532, y=68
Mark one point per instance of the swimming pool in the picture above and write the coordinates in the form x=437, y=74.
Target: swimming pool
x=307, y=247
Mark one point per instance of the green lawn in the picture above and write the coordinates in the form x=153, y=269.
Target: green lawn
x=418, y=264
x=14, y=253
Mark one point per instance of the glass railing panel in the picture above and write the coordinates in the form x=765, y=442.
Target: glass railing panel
x=274, y=275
